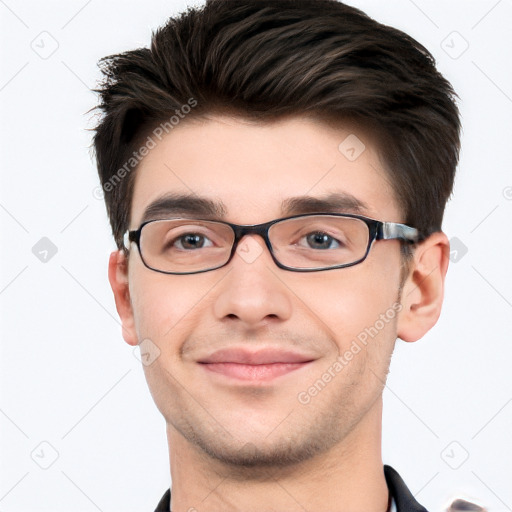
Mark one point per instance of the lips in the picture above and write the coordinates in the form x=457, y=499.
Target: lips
x=262, y=365
x=244, y=356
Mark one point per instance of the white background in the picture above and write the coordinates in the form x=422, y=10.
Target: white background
x=68, y=378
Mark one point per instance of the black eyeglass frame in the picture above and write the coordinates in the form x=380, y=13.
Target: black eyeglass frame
x=377, y=230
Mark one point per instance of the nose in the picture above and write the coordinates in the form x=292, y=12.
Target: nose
x=252, y=291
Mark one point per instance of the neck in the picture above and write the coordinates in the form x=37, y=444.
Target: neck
x=347, y=478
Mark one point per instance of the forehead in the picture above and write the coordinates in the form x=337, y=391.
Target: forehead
x=253, y=172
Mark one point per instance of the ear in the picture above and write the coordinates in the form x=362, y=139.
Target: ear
x=118, y=278
x=423, y=290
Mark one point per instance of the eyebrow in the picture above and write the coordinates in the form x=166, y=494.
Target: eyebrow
x=194, y=206
x=335, y=202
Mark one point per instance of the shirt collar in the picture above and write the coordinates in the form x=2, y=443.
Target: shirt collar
x=402, y=499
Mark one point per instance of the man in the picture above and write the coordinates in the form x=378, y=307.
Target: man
x=275, y=174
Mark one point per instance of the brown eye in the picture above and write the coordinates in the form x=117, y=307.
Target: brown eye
x=192, y=241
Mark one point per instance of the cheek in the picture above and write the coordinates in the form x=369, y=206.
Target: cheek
x=163, y=307
x=168, y=308
x=352, y=301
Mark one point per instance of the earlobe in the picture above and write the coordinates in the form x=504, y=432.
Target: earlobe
x=118, y=278
x=423, y=290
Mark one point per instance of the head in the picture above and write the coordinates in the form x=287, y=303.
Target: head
x=247, y=106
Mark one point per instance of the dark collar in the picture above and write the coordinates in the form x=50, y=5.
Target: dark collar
x=165, y=503
x=404, y=500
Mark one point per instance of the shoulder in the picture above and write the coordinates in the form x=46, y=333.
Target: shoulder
x=405, y=501
x=462, y=505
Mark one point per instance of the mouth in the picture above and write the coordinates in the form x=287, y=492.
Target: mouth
x=262, y=366
x=259, y=372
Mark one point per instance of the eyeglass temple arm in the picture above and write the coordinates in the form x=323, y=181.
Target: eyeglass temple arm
x=393, y=230
x=128, y=237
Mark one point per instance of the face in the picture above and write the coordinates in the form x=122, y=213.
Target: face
x=273, y=416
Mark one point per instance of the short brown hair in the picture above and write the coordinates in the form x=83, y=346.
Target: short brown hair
x=265, y=60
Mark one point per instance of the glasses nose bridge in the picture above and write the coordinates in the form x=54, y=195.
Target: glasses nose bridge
x=256, y=229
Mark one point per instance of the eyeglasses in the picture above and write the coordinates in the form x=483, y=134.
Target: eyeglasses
x=301, y=243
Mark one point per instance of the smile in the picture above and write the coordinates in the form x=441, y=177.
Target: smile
x=253, y=372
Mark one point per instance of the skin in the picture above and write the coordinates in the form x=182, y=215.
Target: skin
x=256, y=447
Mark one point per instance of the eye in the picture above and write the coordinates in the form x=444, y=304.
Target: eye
x=321, y=240
x=189, y=241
